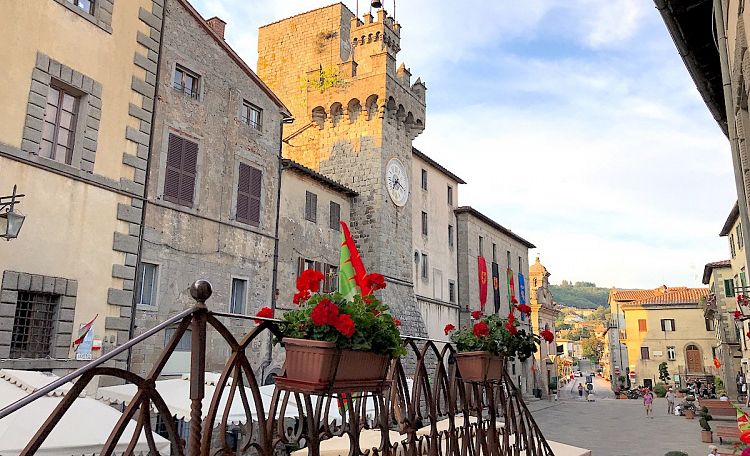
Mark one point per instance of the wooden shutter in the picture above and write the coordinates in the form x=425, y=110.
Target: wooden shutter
x=249, y=184
x=642, y=325
x=181, y=169
x=300, y=266
x=674, y=327
x=311, y=206
x=644, y=353
x=335, y=216
x=663, y=325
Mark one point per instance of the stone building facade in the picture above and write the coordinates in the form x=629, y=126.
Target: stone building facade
x=481, y=239
x=212, y=186
x=357, y=114
x=543, y=316
x=434, y=191
x=78, y=93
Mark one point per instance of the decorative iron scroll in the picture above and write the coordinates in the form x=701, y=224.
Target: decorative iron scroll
x=427, y=410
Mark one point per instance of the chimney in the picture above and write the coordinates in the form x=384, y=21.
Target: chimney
x=217, y=25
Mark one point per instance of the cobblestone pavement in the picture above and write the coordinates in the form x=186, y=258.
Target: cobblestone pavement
x=610, y=427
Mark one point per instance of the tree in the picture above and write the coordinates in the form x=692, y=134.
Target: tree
x=664, y=373
x=592, y=348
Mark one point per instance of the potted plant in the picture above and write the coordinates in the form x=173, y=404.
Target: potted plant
x=484, y=346
x=705, y=417
x=341, y=341
x=688, y=407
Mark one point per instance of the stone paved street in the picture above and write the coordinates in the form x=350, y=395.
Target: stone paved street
x=610, y=427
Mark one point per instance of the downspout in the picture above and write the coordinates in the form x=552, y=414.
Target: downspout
x=732, y=125
x=275, y=273
x=134, y=305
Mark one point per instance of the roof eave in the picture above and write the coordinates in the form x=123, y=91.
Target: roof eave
x=494, y=224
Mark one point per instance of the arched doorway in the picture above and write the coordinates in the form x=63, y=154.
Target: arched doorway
x=693, y=359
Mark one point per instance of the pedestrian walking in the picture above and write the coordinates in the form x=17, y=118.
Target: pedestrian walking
x=713, y=450
x=648, y=400
x=580, y=391
x=670, y=401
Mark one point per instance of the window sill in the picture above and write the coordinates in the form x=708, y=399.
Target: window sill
x=146, y=308
x=249, y=128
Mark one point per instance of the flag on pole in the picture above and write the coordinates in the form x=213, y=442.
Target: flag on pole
x=743, y=424
x=351, y=270
x=83, y=331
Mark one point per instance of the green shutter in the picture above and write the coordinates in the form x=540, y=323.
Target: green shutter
x=728, y=288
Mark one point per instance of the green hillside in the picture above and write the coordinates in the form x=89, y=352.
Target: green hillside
x=583, y=295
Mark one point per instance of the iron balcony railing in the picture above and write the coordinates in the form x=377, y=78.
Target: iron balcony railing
x=433, y=411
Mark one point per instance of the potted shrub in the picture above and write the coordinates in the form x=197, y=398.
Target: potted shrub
x=484, y=346
x=340, y=341
x=688, y=407
x=705, y=417
x=660, y=389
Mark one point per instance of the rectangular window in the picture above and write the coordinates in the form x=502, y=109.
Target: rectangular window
x=249, y=185
x=507, y=255
x=185, y=341
x=311, y=207
x=424, y=223
x=186, y=81
x=424, y=179
x=450, y=196
x=331, y=282
x=425, y=266
x=335, y=216
x=642, y=325
x=32, y=325
x=494, y=252
x=671, y=355
x=451, y=291
x=58, y=133
x=85, y=5
x=181, y=168
x=667, y=325
x=710, y=324
x=729, y=288
x=520, y=265
x=481, y=246
x=740, y=238
x=147, y=280
x=252, y=115
x=644, y=353
x=239, y=294
x=450, y=236
x=731, y=245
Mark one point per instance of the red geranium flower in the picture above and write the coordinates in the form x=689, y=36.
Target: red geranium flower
x=448, y=328
x=547, y=335
x=511, y=328
x=737, y=314
x=511, y=317
x=309, y=280
x=265, y=312
x=325, y=313
x=476, y=315
x=344, y=324
x=513, y=300
x=374, y=282
x=396, y=321
x=481, y=329
x=524, y=308
x=301, y=296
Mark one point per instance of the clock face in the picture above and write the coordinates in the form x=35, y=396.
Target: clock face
x=397, y=182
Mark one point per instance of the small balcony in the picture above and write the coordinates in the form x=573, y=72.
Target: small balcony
x=422, y=402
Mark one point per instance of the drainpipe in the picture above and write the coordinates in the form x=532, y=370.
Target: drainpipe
x=726, y=79
x=134, y=305
x=285, y=119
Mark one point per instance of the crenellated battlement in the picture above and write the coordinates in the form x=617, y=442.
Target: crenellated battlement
x=370, y=37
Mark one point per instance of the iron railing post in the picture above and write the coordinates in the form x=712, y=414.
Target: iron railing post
x=200, y=291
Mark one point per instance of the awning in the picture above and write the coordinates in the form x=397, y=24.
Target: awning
x=82, y=430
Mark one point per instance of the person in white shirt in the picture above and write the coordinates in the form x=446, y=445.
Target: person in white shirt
x=713, y=450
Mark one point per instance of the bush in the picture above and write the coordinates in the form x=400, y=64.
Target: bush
x=705, y=418
x=660, y=389
x=676, y=453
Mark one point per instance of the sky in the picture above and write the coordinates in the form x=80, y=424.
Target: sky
x=574, y=123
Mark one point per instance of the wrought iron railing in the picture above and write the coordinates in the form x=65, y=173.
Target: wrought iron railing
x=431, y=410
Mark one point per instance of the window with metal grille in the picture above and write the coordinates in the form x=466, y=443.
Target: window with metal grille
x=335, y=216
x=58, y=133
x=311, y=207
x=252, y=115
x=147, y=279
x=181, y=168
x=424, y=223
x=32, y=325
x=450, y=235
x=239, y=290
x=425, y=266
x=249, y=186
x=331, y=281
x=186, y=81
x=85, y=5
x=451, y=291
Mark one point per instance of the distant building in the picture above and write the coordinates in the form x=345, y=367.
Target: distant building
x=543, y=316
x=668, y=326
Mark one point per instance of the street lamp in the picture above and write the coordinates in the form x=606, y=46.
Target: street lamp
x=10, y=219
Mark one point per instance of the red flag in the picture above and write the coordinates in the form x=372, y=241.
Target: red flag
x=482, y=268
x=717, y=363
x=83, y=331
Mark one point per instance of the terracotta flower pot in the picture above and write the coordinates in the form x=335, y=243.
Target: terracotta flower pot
x=689, y=414
x=480, y=366
x=707, y=437
x=314, y=367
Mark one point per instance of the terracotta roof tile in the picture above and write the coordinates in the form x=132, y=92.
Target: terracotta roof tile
x=714, y=265
x=675, y=295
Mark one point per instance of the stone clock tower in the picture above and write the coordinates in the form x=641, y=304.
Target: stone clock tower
x=356, y=116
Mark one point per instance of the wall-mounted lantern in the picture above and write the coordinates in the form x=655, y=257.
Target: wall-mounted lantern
x=10, y=219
